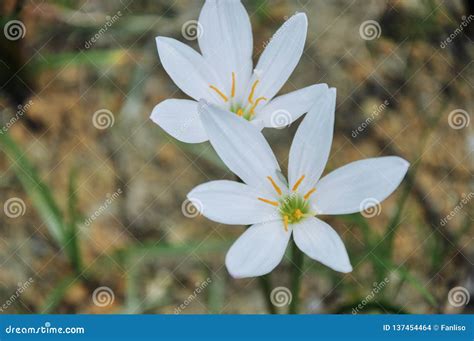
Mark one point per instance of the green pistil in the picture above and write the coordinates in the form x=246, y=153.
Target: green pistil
x=294, y=207
x=246, y=114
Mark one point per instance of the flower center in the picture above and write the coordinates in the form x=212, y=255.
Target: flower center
x=292, y=207
x=246, y=110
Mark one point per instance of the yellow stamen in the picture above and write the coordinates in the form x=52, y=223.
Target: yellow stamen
x=256, y=103
x=232, y=92
x=285, y=222
x=220, y=93
x=277, y=189
x=295, y=187
x=298, y=214
x=307, y=195
x=240, y=112
x=250, y=99
x=274, y=203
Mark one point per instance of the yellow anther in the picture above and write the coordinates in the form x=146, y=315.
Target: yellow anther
x=295, y=187
x=298, y=214
x=240, y=112
x=277, y=189
x=220, y=93
x=256, y=103
x=274, y=203
x=250, y=99
x=307, y=195
x=232, y=92
x=285, y=222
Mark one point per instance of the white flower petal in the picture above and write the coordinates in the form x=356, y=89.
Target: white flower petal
x=346, y=189
x=187, y=68
x=179, y=118
x=280, y=57
x=285, y=109
x=226, y=42
x=258, y=250
x=312, y=143
x=230, y=202
x=320, y=242
x=241, y=146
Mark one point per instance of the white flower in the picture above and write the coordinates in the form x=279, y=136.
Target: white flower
x=277, y=208
x=223, y=74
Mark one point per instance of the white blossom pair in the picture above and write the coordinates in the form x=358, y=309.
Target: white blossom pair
x=231, y=105
x=223, y=74
x=278, y=208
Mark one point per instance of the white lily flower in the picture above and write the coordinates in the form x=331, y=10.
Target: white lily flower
x=223, y=74
x=277, y=208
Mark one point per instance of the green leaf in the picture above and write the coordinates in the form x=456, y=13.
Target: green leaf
x=56, y=295
x=38, y=192
x=72, y=231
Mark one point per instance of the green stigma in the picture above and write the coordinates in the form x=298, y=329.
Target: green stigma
x=293, y=208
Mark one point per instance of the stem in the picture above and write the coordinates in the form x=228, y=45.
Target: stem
x=297, y=258
x=267, y=290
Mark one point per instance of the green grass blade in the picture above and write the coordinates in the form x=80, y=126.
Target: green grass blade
x=72, y=231
x=38, y=192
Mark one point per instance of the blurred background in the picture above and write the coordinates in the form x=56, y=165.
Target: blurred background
x=93, y=212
